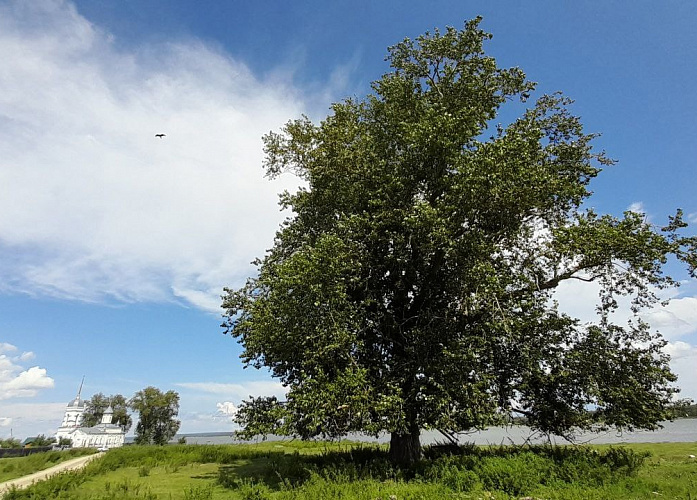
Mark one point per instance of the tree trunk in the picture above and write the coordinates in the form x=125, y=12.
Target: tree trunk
x=405, y=449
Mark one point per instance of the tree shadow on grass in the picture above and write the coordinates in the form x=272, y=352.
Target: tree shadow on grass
x=279, y=470
x=514, y=470
x=207, y=476
x=272, y=471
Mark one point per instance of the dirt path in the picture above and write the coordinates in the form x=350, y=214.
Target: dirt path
x=23, y=482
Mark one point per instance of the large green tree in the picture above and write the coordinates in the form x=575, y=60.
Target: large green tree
x=98, y=404
x=157, y=412
x=412, y=286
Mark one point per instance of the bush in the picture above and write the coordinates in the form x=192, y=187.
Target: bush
x=199, y=493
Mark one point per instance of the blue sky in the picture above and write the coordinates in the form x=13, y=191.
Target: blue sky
x=115, y=246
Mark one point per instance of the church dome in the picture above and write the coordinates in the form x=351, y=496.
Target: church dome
x=77, y=403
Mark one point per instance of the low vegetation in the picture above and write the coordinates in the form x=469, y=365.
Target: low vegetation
x=301, y=470
x=11, y=468
x=10, y=443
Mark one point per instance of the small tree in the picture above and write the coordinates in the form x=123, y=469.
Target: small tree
x=42, y=440
x=10, y=443
x=94, y=409
x=64, y=441
x=412, y=286
x=157, y=412
x=98, y=404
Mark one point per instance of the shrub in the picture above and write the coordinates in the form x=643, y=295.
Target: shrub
x=144, y=470
x=199, y=493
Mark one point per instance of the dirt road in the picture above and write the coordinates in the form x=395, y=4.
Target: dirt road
x=23, y=482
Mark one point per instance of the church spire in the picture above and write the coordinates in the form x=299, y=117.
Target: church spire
x=79, y=391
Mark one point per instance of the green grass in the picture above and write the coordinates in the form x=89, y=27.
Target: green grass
x=11, y=468
x=297, y=470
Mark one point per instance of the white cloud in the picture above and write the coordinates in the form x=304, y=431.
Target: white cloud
x=681, y=350
x=193, y=422
x=684, y=364
x=26, y=356
x=5, y=421
x=676, y=319
x=95, y=207
x=16, y=381
x=23, y=384
x=28, y=382
x=219, y=420
x=5, y=347
x=637, y=207
x=226, y=409
x=692, y=218
x=239, y=391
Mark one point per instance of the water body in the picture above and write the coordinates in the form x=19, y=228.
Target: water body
x=679, y=431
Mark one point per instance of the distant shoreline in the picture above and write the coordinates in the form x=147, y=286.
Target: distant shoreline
x=679, y=430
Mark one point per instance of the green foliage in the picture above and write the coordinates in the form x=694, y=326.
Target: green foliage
x=98, y=404
x=684, y=408
x=125, y=490
x=65, y=441
x=42, y=440
x=412, y=286
x=157, y=412
x=296, y=470
x=10, y=443
x=199, y=493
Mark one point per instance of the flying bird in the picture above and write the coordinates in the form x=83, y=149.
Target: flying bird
x=160, y=135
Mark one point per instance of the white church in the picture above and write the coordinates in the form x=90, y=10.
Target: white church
x=103, y=435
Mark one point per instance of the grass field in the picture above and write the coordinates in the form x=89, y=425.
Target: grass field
x=297, y=470
x=11, y=468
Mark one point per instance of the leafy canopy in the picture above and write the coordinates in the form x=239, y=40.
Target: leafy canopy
x=412, y=286
x=157, y=412
x=10, y=443
x=42, y=440
x=99, y=403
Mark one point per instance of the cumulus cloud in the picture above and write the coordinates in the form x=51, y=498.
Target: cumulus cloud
x=94, y=207
x=5, y=421
x=681, y=350
x=15, y=380
x=226, y=409
x=239, y=391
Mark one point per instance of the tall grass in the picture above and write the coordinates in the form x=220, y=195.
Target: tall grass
x=515, y=471
x=300, y=471
x=14, y=467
